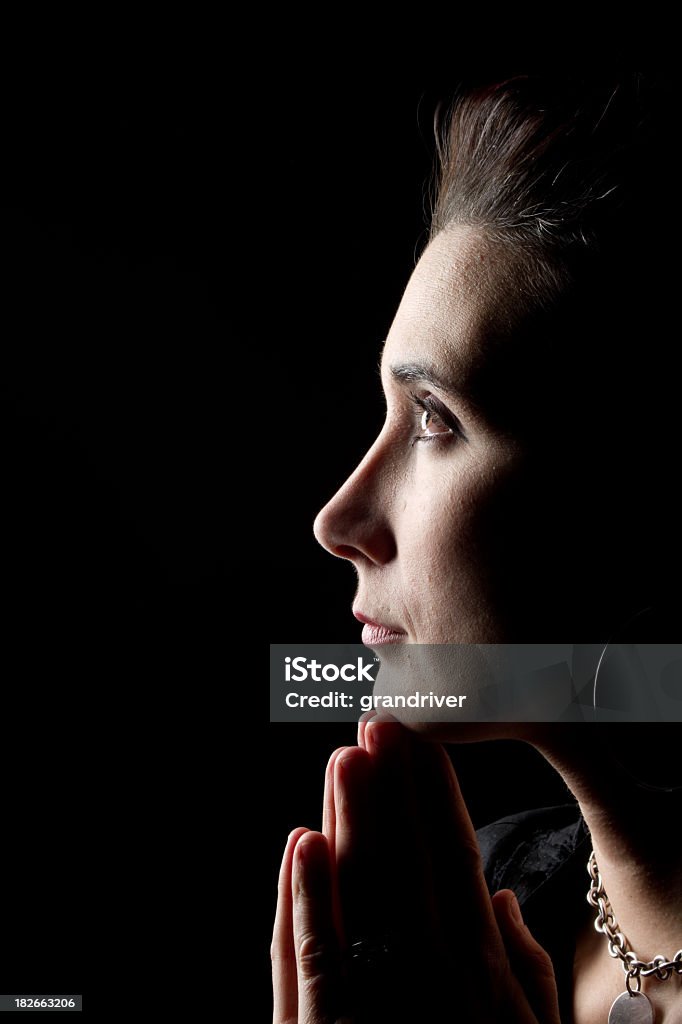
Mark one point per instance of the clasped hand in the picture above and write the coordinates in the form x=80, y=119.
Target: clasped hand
x=385, y=915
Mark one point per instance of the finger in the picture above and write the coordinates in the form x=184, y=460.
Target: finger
x=463, y=896
x=283, y=951
x=328, y=809
x=362, y=722
x=530, y=964
x=329, y=831
x=317, y=950
x=355, y=846
x=401, y=847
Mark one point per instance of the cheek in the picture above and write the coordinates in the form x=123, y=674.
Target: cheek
x=441, y=549
x=444, y=516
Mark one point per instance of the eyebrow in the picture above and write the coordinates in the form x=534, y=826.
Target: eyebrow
x=423, y=373
x=420, y=373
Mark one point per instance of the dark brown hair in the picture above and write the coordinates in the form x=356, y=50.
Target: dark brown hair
x=544, y=160
x=560, y=169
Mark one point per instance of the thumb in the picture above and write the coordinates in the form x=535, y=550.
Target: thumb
x=530, y=963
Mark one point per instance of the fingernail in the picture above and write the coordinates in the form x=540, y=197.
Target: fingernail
x=314, y=866
x=515, y=910
x=383, y=735
x=362, y=725
x=352, y=770
x=286, y=855
x=333, y=758
x=345, y=764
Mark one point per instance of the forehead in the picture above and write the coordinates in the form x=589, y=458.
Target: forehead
x=456, y=304
x=467, y=313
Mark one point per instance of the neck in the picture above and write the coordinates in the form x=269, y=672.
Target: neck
x=633, y=834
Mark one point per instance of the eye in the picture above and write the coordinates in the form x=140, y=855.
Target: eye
x=432, y=424
x=435, y=421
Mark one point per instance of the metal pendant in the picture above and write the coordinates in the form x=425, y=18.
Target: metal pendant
x=631, y=1009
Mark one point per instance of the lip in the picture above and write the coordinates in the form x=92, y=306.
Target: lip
x=375, y=634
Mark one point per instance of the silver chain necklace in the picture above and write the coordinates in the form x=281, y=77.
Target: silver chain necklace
x=632, y=1006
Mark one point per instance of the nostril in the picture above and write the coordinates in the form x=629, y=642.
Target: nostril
x=345, y=551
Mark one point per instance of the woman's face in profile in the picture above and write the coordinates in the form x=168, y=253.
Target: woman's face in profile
x=432, y=518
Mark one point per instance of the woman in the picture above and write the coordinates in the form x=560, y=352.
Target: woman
x=521, y=487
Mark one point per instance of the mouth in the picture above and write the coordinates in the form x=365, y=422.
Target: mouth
x=376, y=634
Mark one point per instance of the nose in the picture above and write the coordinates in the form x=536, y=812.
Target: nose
x=355, y=523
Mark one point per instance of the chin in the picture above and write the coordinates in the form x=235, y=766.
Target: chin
x=464, y=732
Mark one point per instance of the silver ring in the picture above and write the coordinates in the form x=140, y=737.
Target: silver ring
x=372, y=952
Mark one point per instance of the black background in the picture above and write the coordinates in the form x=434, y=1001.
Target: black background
x=197, y=275
x=117, y=250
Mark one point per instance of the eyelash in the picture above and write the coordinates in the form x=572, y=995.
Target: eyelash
x=436, y=409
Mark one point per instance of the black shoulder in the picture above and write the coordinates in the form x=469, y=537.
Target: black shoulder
x=523, y=851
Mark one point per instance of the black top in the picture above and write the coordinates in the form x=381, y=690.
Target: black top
x=542, y=855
